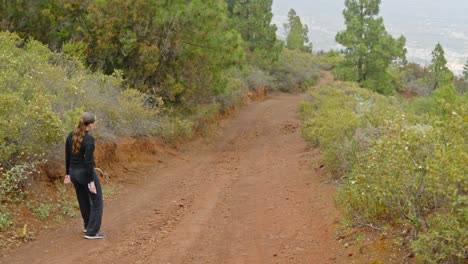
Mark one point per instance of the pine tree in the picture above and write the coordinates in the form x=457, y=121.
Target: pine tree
x=176, y=51
x=52, y=22
x=369, y=49
x=465, y=70
x=252, y=19
x=438, y=71
x=297, y=33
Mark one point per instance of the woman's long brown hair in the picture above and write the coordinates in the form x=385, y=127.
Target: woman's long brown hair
x=80, y=131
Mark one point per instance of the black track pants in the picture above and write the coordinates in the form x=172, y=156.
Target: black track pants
x=91, y=205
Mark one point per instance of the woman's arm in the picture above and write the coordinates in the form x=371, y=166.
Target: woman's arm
x=67, y=158
x=68, y=146
x=89, y=157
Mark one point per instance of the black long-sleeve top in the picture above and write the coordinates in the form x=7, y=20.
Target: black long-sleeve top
x=84, y=158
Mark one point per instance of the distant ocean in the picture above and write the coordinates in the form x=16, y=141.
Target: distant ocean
x=422, y=22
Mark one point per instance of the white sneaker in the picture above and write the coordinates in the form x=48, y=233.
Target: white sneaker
x=97, y=236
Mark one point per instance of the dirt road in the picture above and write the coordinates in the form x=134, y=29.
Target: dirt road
x=254, y=193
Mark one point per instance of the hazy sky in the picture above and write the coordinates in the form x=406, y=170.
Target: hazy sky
x=422, y=22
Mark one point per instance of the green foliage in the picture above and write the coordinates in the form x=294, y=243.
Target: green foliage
x=42, y=209
x=412, y=79
x=107, y=191
x=5, y=219
x=329, y=60
x=13, y=180
x=446, y=92
x=205, y=117
x=50, y=21
x=177, y=51
x=344, y=71
x=67, y=204
x=446, y=241
x=71, y=118
x=161, y=48
x=173, y=126
x=256, y=78
x=401, y=163
x=461, y=85
x=333, y=122
x=297, y=34
x=114, y=41
x=27, y=120
x=236, y=86
x=416, y=174
x=465, y=70
x=43, y=93
x=369, y=49
x=69, y=208
x=436, y=78
x=129, y=116
x=252, y=19
x=165, y=49
x=439, y=74
x=76, y=51
x=294, y=70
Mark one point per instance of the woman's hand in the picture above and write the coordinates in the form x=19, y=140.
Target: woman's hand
x=67, y=179
x=92, y=187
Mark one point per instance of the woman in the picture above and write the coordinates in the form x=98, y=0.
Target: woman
x=79, y=159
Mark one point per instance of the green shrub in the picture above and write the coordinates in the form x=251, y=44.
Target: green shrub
x=331, y=136
x=130, y=116
x=462, y=86
x=412, y=78
x=27, y=120
x=43, y=207
x=402, y=162
x=171, y=127
x=43, y=93
x=13, y=180
x=42, y=211
x=5, y=219
x=446, y=240
x=69, y=208
x=67, y=203
x=329, y=60
x=344, y=72
x=235, y=88
x=294, y=70
x=205, y=117
x=339, y=119
x=257, y=78
x=76, y=51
